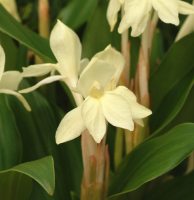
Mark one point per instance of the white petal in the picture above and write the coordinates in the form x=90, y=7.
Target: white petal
x=125, y=93
x=187, y=28
x=185, y=8
x=66, y=47
x=139, y=122
x=83, y=64
x=43, y=82
x=167, y=10
x=70, y=127
x=11, y=7
x=2, y=61
x=136, y=16
x=112, y=12
x=96, y=71
x=114, y=58
x=10, y=80
x=138, y=111
x=94, y=119
x=38, y=70
x=117, y=111
x=18, y=96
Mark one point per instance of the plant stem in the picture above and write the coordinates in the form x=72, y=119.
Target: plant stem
x=96, y=168
x=95, y=163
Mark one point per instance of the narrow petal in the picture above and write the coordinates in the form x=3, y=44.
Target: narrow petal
x=167, y=10
x=185, y=8
x=94, y=119
x=117, y=111
x=187, y=28
x=139, y=122
x=97, y=71
x=112, y=12
x=70, y=127
x=114, y=58
x=138, y=111
x=136, y=16
x=2, y=61
x=11, y=7
x=45, y=81
x=10, y=80
x=66, y=47
x=38, y=70
x=18, y=96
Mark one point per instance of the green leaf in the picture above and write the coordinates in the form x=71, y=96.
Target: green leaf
x=10, y=138
x=176, y=189
x=153, y=158
x=40, y=126
x=14, y=29
x=177, y=63
x=42, y=171
x=172, y=104
x=73, y=16
x=14, y=186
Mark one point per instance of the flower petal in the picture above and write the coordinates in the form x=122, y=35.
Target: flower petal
x=66, y=47
x=11, y=7
x=2, y=61
x=117, y=111
x=136, y=16
x=43, y=82
x=83, y=64
x=10, y=80
x=96, y=71
x=125, y=93
x=70, y=127
x=114, y=58
x=38, y=70
x=18, y=96
x=167, y=10
x=185, y=8
x=112, y=12
x=138, y=111
x=139, y=122
x=187, y=28
x=94, y=119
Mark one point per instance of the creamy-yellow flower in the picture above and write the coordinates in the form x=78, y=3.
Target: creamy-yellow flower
x=138, y=12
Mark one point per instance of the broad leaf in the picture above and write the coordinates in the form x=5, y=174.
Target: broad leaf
x=172, y=104
x=175, y=66
x=153, y=158
x=42, y=171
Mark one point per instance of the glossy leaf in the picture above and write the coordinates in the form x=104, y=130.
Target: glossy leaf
x=153, y=158
x=177, y=63
x=42, y=171
x=14, y=29
x=172, y=103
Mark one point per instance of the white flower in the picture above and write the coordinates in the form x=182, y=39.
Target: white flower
x=103, y=100
x=187, y=27
x=66, y=48
x=9, y=81
x=137, y=13
x=11, y=7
